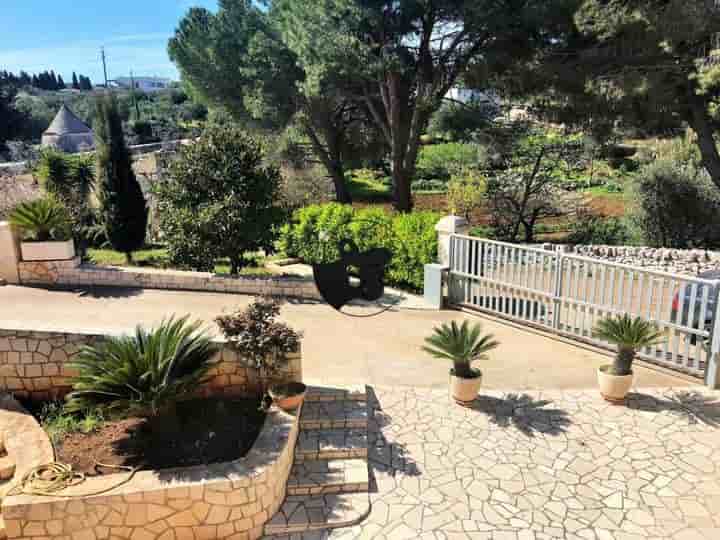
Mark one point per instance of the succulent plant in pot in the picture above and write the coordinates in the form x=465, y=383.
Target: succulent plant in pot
x=462, y=345
x=265, y=344
x=45, y=227
x=629, y=335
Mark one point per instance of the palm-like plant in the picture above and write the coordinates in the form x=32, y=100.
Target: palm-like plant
x=43, y=219
x=143, y=374
x=630, y=335
x=461, y=344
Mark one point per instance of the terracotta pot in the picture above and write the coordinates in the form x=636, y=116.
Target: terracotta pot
x=288, y=396
x=465, y=391
x=613, y=387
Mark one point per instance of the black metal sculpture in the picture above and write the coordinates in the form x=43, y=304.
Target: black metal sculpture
x=333, y=279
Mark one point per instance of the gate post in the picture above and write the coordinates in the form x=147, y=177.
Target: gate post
x=712, y=367
x=9, y=253
x=445, y=227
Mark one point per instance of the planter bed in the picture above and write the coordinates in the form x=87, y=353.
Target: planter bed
x=209, y=431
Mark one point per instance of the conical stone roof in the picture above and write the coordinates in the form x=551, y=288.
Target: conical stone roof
x=66, y=122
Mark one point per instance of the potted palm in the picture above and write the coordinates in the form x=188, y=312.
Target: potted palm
x=266, y=344
x=462, y=345
x=144, y=374
x=45, y=227
x=629, y=335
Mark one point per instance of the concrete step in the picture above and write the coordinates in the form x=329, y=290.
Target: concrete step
x=7, y=468
x=315, y=444
x=334, y=415
x=301, y=514
x=324, y=476
x=324, y=393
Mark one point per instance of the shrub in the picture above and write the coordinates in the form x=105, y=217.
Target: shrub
x=71, y=179
x=599, y=230
x=677, y=206
x=315, y=231
x=414, y=246
x=144, y=374
x=123, y=209
x=42, y=220
x=218, y=200
x=455, y=122
x=466, y=192
x=439, y=161
x=262, y=341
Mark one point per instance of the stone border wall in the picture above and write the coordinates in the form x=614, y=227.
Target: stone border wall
x=34, y=365
x=678, y=261
x=227, y=501
x=71, y=273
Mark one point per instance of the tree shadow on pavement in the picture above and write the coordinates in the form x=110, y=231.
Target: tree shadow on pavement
x=385, y=456
x=523, y=412
x=694, y=406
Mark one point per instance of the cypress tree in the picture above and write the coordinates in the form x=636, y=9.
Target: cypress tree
x=75, y=83
x=61, y=83
x=123, y=210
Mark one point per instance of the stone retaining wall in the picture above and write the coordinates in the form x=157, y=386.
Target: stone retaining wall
x=34, y=365
x=227, y=501
x=71, y=273
x=679, y=261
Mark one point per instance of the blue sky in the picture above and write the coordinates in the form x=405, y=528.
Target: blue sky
x=66, y=36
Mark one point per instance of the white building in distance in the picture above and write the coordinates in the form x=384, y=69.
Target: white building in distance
x=146, y=84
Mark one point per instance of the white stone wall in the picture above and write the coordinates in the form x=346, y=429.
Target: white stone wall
x=227, y=501
x=72, y=273
x=34, y=365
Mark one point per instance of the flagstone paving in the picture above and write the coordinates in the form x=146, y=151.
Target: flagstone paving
x=536, y=466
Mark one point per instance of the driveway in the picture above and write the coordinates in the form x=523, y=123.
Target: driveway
x=360, y=347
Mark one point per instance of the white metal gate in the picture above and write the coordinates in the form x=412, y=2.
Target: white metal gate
x=568, y=294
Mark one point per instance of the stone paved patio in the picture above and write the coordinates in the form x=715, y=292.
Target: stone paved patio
x=542, y=465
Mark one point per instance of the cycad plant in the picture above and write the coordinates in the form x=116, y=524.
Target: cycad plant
x=461, y=344
x=42, y=219
x=144, y=374
x=630, y=335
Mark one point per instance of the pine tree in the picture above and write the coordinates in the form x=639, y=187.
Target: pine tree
x=123, y=210
x=60, y=83
x=75, y=83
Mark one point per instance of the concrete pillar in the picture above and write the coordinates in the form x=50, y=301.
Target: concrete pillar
x=433, y=285
x=9, y=253
x=445, y=227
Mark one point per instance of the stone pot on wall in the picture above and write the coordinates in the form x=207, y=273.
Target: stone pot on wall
x=47, y=251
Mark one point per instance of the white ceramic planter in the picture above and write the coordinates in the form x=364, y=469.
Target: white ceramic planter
x=465, y=391
x=613, y=387
x=47, y=251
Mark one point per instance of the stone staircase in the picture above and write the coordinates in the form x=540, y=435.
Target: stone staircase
x=329, y=482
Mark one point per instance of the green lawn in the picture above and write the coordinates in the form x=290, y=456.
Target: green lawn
x=157, y=257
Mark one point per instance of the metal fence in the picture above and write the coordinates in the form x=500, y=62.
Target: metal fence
x=568, y=294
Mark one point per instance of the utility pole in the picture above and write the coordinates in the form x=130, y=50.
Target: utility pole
x=134, y=96
x=102, y=54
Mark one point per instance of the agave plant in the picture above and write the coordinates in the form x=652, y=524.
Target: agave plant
x=461, y=344
x=630, y=335
x=143, y=374
x=42, y=219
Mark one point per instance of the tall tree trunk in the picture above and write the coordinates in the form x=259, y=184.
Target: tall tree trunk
x=331, y=158
x=700, y=124
x=337, y=174
x=402, y=193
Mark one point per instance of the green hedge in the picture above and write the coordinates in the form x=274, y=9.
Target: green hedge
x=314, y=232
